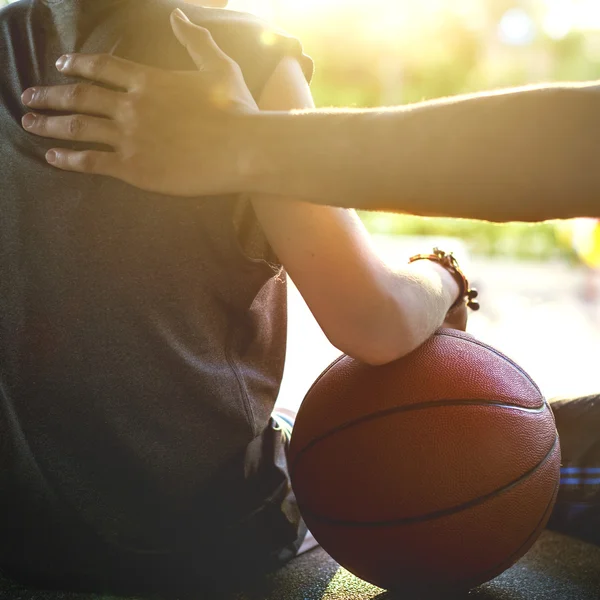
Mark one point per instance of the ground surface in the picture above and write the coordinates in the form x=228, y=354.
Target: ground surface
x=557, y=568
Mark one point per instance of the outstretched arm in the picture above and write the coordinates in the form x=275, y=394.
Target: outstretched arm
x=519, y=155
x=525, y=155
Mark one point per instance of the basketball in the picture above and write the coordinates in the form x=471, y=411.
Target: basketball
x=434, y=472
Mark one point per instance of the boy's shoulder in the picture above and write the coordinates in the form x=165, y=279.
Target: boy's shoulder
x=248, y=39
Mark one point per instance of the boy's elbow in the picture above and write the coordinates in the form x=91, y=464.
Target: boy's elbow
x=376, y=345
x=386, y=328
x=376, y=357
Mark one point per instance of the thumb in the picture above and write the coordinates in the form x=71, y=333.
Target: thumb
x=197, y=41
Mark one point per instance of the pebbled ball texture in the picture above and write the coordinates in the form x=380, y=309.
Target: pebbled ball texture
x=436, y=471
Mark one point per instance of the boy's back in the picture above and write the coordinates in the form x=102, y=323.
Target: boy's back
x=141, y=348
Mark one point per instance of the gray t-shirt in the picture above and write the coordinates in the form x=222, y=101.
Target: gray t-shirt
x=141, y=348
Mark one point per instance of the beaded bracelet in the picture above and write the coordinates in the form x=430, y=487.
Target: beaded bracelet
x=449, y=262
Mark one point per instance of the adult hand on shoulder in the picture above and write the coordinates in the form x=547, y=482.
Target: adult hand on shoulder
x=170, y=131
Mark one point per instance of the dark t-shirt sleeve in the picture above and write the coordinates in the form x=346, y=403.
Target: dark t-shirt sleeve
x=258, y=47
x=255, y=45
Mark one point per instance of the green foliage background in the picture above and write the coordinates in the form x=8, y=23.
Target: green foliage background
x=451, y=56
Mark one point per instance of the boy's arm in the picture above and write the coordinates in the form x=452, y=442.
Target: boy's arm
x=365, y=308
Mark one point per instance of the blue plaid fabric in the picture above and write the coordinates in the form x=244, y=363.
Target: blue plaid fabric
x=577, y=509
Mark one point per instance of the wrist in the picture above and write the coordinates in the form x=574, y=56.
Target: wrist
x=237, y=132
x=451, y=285
x=450, y=289
x=448, y=262
x=254, y=152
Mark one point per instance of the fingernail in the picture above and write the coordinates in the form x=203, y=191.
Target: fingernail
x=61, y=62
x=180, y=14
x=28, y=120
x=27, y=96
x=51, y=156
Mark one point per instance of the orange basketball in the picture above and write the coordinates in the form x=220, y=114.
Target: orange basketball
x=436, y=471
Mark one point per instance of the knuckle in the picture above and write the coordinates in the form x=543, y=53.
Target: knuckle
x=142, y=80
x=199, y=35
x=227, y=69
x=127, y=109
x=40, y=95
x=87, y=162
x=129, y=158
x=204, y=35
x=113, y=133
x=73, y=63
x=74, y=93
x=127, y=130
x=40, y=124
x=75, y=126
x=99, y=63
x=233, y=67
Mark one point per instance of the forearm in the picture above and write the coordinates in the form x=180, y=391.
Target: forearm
x=524, y=155
x=413, y=303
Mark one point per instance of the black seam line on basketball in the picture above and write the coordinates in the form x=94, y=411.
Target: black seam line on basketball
x=496, y=352
x=439, y=513
x=445, y=333
x=414, y=407
x=323, y=373
x=499, y=568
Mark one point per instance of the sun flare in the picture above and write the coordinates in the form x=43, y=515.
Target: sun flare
x=558, y=17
